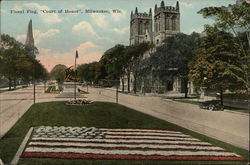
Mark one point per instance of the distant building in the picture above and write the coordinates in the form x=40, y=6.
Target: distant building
x=146, y=27
x=166, y=23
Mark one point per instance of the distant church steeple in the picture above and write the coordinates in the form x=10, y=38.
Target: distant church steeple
x=29, y=39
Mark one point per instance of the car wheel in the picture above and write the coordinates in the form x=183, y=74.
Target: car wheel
x=211, y=107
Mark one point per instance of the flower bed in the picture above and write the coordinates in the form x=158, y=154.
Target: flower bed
x=79, y=102
x=132, y=144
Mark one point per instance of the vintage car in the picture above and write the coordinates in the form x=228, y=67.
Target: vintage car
x=211, y=105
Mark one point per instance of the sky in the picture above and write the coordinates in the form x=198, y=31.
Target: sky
x=58, y=34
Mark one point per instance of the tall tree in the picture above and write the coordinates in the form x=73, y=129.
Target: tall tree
x=134, y=56
x=171, y=59
x=17, y=62
x=87, y=72
x=234, y=19
x=58, y=73
x=216, y=63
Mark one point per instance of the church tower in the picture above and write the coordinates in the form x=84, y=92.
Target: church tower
x=140, y=27
x=166, y=22
x=29, y=39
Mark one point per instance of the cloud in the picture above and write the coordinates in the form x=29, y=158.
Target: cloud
x=87, y=29
x=17, y=7
x=122, y=30
x=81, y=6
x=186, y=4
x=3, y=11
x=49, y=18
x=99, y=19
x=84, y=27
x=88, y=52
x=38, y=35
x=118, y=16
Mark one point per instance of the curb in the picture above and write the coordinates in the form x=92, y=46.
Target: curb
x=21, y=148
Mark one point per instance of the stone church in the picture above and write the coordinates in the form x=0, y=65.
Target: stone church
x=154, y=28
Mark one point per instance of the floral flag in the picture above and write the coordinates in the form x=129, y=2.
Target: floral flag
x=135, y=144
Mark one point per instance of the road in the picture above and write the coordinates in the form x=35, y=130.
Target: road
x=13, y=104
x=229, y=127
x=226, y=126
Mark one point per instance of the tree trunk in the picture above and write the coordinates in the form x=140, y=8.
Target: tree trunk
x=128, y=76
x=221, y=95
x=14, y=82
x=9, y=83
x=186, y=87
x=135, y=85
x=122, y=84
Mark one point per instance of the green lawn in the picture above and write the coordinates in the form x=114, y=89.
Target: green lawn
x=98, y=114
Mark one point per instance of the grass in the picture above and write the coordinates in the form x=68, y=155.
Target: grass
x=225, y=107
x=13, y=89
x=52, y=89
x=101, y=115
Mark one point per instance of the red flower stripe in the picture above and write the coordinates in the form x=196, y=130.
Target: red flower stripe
x=147, y=135
x=125, y=148
x=125, y=157
x=153, y=139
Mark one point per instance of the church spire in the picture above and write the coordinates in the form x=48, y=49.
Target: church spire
x=29, y=39
x=162, y=4
x=136, y=10
x=150, y=12
x=177, y=5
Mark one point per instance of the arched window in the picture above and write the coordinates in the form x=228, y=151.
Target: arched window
x=140, y=28
x=167, y=24
x=174, y=23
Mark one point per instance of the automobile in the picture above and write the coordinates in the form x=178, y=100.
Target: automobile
x=211, y=105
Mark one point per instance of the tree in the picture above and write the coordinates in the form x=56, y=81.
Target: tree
x=234, y=19
x=87, y=72
x=216, y=63
x=17, y=62
x=134, y=55
x=58, y=73
x=171, y=58
x=113, y=60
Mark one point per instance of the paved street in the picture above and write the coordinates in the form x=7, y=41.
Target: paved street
x=225, y=126
x=229, y=127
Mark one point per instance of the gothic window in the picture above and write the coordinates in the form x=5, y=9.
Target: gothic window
x=146, y=26
x=156, y=27
x=167, y=24
x=140, y=28
x=173, y=23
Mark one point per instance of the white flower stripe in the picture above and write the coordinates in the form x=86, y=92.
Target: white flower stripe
x=150, y=137
x=144, y=146
x=144, y=134
x=128, y=152
x=140, y=130
x=123, y=140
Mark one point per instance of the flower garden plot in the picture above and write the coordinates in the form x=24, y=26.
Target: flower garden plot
x=130, y=144
x=79, y=102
